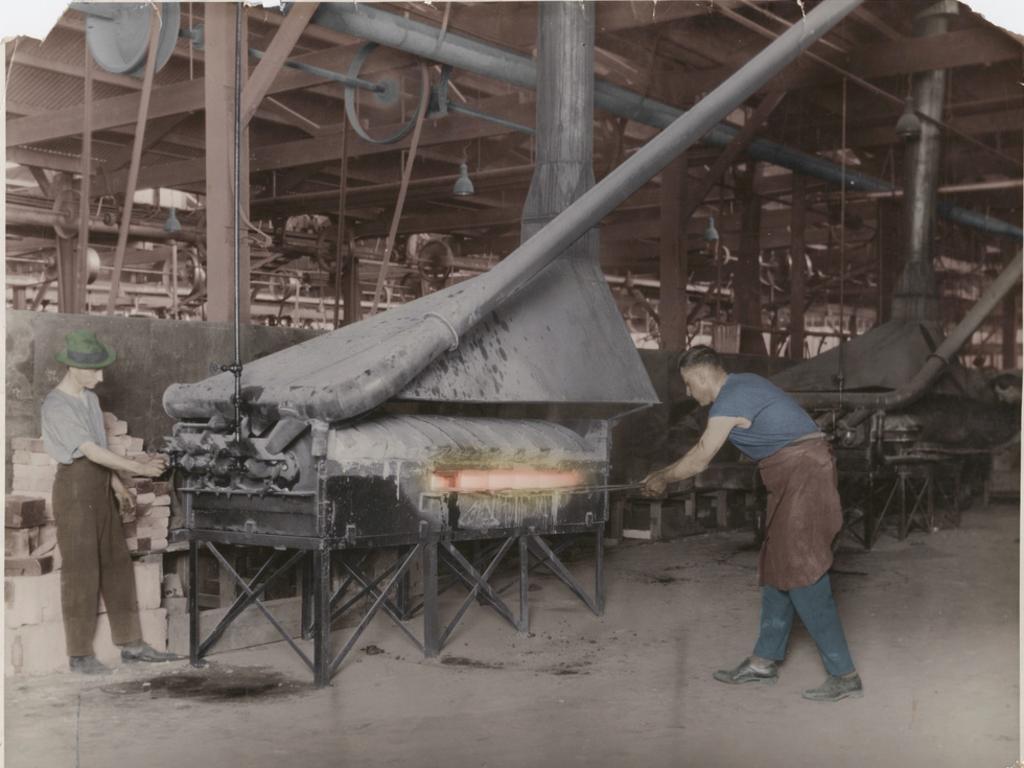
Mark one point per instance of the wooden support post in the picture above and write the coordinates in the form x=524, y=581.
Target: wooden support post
x=133, y=168
x=18, y=297
x=219, y=30
x=339, y=249
x=65, y=274
x=797, y=269
x=672, y=309
x=747, y=274
x=722, y=509
x=656, y=528
x=889, y=262
x=615, y=515
x=352, y=292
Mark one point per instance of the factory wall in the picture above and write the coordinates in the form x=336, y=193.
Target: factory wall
x=151, y=354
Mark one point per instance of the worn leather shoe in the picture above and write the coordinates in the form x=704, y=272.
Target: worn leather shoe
x=86, y=665
x=746, y=673
x=145, y=652
x=836, y=688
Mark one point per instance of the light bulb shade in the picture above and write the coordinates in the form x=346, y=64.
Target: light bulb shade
x=463, y=184
x=909, y=124
x=172, y=224
x=710, y=233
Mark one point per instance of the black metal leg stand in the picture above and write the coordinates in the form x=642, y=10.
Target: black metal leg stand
x=403, y=592
x=321, y=589
x=308, y=587
x=599, y=570
x=193, y=602
x=431, y=615
x=524, y=583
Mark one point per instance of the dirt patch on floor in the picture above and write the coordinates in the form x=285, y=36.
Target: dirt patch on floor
x=216, y=683
x=463, y=661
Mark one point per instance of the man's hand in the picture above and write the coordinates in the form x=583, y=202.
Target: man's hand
x=124, y=500
x=153, y=466
x=655, y=484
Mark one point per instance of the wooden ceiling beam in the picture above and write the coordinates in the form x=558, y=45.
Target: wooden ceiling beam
x=179, y=97
x=327, y=148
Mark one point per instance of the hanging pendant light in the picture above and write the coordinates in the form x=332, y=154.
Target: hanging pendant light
x=172, y=225
x=710, y=233
x=463, y=184
x=909, y=125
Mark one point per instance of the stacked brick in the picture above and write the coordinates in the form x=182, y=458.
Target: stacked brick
x=30, y=543
x=145, y=526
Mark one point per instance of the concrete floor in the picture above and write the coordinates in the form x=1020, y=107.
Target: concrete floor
x=932, y=623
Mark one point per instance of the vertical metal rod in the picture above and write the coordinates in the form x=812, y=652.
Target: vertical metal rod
x=193, y=602
x=237, y=366
x=82, y=264
x=342, y=194
x=322, y=634
x=174, y=279
x=599, y=570
x=431, y=616
x=524, y=583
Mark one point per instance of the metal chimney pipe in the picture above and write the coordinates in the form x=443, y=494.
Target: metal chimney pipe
x=419, y=39
x=916, y=295
x=441, y=319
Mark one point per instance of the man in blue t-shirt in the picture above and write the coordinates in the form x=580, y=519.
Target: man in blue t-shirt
x=803, y=517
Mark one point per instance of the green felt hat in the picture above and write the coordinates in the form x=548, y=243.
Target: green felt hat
x=84, y=350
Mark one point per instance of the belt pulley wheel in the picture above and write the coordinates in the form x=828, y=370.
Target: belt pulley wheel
x=389, y=95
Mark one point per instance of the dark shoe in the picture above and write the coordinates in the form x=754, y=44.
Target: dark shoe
x=836, y=688
x=745, y=673
x=144, y=652
x=86, y=665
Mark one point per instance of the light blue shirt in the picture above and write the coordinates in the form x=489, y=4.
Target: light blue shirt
x=776, y=419
x=69, y=421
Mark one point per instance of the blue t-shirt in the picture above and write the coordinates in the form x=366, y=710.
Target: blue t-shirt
x=775, y=418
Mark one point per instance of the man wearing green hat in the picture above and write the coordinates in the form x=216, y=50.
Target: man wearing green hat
x=89, y=533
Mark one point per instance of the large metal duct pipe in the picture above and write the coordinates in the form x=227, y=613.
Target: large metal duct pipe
x=481, y=58
x=866, y=402
x=406, y=342
x=916, y=296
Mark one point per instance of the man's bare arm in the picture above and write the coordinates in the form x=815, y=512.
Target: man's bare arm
x=111, y=460
x=697, y=458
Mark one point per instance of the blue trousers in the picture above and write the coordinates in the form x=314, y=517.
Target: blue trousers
x=817, y=610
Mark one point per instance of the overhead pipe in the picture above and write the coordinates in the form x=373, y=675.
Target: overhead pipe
x=424, y=40
x=446, y=316
x=867, y=402
x=24, y=216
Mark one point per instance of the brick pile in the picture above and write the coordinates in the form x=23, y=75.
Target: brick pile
x=146, y=524
x=34, y=626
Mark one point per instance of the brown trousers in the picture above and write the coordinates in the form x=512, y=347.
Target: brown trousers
x=95, y=557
